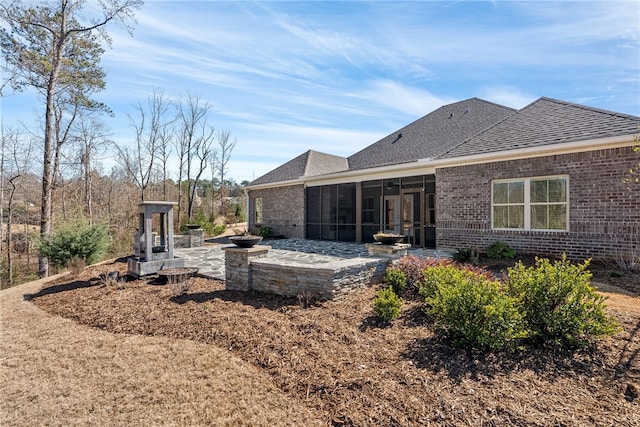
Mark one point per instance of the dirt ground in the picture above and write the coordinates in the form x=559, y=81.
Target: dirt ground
x=338, y=362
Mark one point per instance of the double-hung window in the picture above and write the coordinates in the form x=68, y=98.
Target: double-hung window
x=531, y=203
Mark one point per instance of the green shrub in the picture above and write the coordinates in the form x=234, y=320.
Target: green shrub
x=396, y=279
x=466, y=255
x=472, y=311
x=218, y=229
x=387, y=305
x=238, y=214
x=265, y=231
x=449, y=275
x=558, y=302
x=75, y=240
x=500, y=250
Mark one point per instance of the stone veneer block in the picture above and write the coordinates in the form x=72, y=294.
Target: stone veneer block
x=387, y=251
x=237, y=262
x=331, y=280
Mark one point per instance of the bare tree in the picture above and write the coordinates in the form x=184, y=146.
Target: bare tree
x=226, y=147
x=152, y=128
x=12, y=192
x=2, y=167
x=92, y=138
x=194, y=144
x=16, y=162
x=54, y=48
x=164, y=152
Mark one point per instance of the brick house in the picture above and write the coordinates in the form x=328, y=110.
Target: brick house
x=546, y=179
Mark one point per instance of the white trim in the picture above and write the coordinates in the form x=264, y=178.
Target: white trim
x=539, y=151
x=527, y=203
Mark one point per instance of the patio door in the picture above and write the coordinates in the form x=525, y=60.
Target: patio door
x=391, y=211
x=411, y=216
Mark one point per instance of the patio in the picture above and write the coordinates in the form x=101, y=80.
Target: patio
x=210, y=259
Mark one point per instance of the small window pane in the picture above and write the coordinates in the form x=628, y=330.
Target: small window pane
x=539, y=217
x=549, y=217
x=516, y=217
x=516, y=192
x=500, y=192
x=558, y=217
x=500, y=216
x=539, y=193
x=557, y=190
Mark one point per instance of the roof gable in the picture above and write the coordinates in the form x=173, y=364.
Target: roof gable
x=545, y=122
x=310, y=163
x=432, y=135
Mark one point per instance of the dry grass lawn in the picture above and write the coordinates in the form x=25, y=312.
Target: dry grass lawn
x=56, y=372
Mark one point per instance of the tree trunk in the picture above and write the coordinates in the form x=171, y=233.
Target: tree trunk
x=45, y=207
x=47, y=179
x=9, y=237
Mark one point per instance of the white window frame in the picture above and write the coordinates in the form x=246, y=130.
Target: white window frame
x=528, y=204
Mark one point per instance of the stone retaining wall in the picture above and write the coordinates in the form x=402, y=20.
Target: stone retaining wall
x=250, y=269
x=331, y=282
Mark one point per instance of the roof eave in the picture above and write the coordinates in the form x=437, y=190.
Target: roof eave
x=539, y=151
x=425, y=166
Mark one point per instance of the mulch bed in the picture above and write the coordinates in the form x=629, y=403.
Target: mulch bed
x=351, y=370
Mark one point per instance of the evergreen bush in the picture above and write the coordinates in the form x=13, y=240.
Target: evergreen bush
x=75, y=240
x=500, y=250
x=218, y=229
x=387, y=305
x=466, y=255
x=265, y=231
x=201, y=220
x=396, y=279
x=470, y=310
x=558, y=302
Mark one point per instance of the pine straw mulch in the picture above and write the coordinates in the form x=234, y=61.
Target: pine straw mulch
x=350, y=370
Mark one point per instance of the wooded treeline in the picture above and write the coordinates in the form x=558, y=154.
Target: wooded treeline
x=92, y=194
x=56, y=169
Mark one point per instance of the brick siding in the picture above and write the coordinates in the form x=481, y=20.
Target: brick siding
x=604, y=215
x=282, y=210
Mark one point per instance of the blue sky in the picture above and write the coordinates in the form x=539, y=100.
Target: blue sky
x=285, y=77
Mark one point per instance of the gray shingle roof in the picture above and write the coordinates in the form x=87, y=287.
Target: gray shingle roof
x=309, y=163
x=432, y=135
x=545, y=122
x=467, y=128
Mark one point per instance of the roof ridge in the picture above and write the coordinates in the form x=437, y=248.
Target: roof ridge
x=306, y=161
x=586, y=107
x=442, y=107
x=513, y=113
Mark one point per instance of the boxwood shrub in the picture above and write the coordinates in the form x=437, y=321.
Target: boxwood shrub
x=470, y=310
x=387, y=305
x=558, y=302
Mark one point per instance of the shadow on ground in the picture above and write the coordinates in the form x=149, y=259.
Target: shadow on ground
x=251, y=298
x=552, y=363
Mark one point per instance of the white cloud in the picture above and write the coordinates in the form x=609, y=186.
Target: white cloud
x=509, y=96
x=394, y=95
